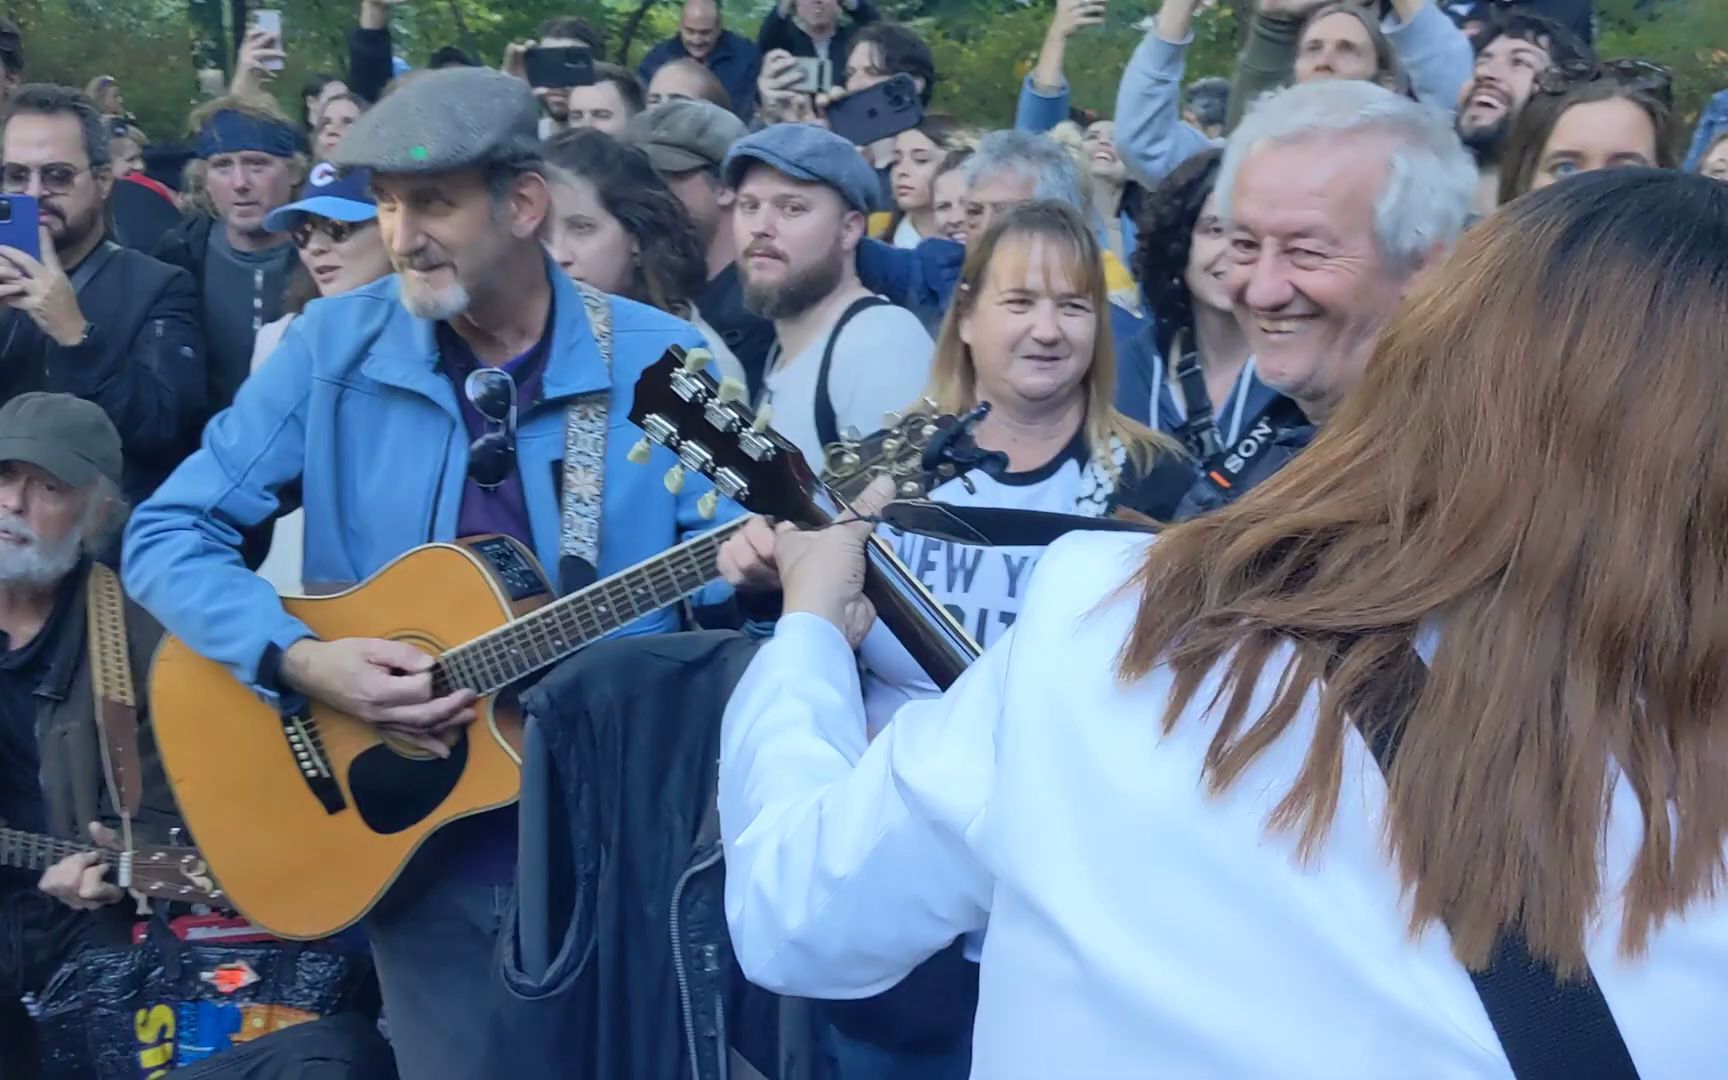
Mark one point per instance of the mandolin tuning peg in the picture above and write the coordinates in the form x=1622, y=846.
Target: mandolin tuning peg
x=760, y=424
x=732, y=389
x=639, y=453
x=674, y=479
x=708, y=505
x=697, y=359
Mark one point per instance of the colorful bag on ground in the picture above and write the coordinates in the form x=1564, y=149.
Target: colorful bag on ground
x=138, y=1013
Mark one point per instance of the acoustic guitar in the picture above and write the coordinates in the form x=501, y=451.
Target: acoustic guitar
x=309, y=818
x=160, y=872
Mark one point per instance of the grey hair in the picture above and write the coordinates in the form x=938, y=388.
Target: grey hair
x=1037, y=158
x=1431, y=179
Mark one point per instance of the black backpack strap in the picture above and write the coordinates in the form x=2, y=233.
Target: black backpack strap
x=827, y=424
x=1550, y=1030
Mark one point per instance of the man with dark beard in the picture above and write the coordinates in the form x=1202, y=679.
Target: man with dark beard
x=88, y=317
x=1510, y=53
x=844, y=356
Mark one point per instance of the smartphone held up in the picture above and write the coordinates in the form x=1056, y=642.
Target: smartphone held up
x=269, y=21
x=881, y=112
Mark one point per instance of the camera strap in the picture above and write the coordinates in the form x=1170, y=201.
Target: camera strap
x=1226, y=469
x=92, y=265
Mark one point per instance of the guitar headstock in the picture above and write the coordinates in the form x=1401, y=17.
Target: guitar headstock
x=713, y=432
x=172, y=873
x=897, y=451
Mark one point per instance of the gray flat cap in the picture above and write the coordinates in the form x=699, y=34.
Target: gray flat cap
x=454, y=118
x=810, y=153
x=679, y=136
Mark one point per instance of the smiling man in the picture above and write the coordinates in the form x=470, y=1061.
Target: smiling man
x=1336, y=197
x=1510, y=53
x=448, y=400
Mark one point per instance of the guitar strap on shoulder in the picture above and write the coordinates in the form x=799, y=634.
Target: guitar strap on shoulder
x=827, y=421
x=585, y=456
x=1549, y=1029
x=114, y=696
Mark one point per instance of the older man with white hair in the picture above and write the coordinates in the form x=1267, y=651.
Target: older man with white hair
x=1336, y=197
x=845, y=869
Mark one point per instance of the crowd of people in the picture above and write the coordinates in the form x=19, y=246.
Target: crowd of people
x=1391, y=754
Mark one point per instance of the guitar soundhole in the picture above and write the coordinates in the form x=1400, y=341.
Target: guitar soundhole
x=393, y=792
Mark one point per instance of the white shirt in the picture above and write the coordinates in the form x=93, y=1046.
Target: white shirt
x=906, y=235
x=1137, y=926
x=881, y=362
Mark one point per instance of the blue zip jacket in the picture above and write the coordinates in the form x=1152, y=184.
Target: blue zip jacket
x=352, y=410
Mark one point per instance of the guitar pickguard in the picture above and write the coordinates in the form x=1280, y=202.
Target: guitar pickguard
x=393, y=792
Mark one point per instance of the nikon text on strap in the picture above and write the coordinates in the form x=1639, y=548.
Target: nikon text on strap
x=1550, y=1030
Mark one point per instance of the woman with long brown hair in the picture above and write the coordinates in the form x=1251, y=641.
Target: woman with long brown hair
x=1256, y=798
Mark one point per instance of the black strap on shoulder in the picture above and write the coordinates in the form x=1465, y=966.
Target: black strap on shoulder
x=93, y=262
x=1224, y=470
x=827, y=424
x=1199, y=430
x=1549, y=1029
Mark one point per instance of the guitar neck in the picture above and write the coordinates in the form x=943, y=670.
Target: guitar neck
x=33, y=851
x=541, y=638
x=922, y=625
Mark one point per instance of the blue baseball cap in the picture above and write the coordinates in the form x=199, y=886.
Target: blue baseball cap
x=329, y=193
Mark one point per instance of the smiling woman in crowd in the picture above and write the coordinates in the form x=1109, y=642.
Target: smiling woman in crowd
x=918, y=155
x=334, y=227
x=1585, y=117
x=1181, y=262
x=334, y=119
x=615, y=225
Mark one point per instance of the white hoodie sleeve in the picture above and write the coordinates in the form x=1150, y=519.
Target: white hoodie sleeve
x=848, y=864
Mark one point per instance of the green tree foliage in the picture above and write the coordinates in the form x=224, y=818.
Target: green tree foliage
x=984, y=48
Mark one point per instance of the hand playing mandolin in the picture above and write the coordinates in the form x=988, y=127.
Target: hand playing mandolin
x=822, y=570
x=386, y=683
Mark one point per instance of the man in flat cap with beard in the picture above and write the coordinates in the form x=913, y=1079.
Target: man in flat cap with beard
x=434, y=404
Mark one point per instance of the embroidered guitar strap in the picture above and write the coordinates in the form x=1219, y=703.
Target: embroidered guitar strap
x=585, y=448
x=115, y=699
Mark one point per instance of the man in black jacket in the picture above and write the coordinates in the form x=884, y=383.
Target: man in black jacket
x=250, y=163
x=813, y=28
x=90, y=318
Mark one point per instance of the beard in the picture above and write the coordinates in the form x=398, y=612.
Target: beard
x=36, y=565
x=1486, y=142
x=798, y=292
x=425, y=301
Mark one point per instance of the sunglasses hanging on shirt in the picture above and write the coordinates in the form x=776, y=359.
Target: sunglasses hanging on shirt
x=492, y=392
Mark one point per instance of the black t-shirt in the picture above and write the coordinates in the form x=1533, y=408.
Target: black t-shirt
x=721, y=302
x=21, y=671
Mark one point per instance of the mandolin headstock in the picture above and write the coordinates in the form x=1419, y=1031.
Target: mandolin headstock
x=708, y=425
x=714, y=433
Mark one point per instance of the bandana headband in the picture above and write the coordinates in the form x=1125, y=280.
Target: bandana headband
x=230, y=132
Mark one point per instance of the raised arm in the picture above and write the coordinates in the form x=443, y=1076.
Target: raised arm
x=1044, y=94
x=1150, y=134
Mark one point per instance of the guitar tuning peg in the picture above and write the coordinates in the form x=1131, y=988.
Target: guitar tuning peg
x=674, y=479
x=851, y=434
x=732, y=389
x=639, y=453
x=708, y=505
x=911, y=489
x=760, y=424
x=697, y=359
x=891, y=419
x=930, y=404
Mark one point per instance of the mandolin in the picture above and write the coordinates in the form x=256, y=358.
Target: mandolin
x=715, y=434
x=163, y=873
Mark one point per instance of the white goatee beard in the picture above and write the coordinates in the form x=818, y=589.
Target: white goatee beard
x=35, y=565
x=437, y=304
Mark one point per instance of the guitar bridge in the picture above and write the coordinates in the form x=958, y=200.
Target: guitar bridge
x=309, y=758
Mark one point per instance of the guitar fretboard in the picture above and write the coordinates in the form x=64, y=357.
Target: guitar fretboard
x=541, y=638
x=31, y=851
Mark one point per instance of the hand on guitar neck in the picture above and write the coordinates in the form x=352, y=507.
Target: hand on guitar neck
x=821, y=570
x=81, y=881
x=387, y=684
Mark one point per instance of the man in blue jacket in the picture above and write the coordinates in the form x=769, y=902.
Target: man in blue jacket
x=733, y=58
x=430, y=405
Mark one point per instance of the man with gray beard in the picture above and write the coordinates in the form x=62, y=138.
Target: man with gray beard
x=433, y=404
x=844, y=356
x=60, y=472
